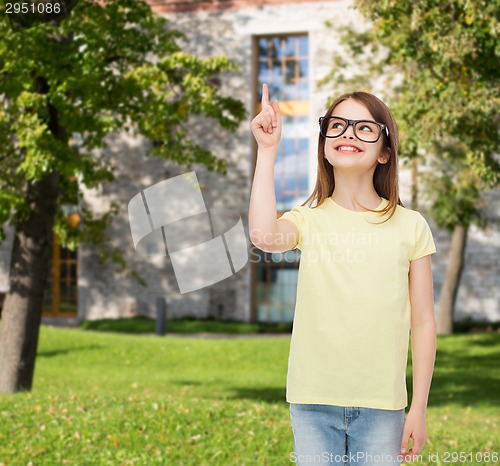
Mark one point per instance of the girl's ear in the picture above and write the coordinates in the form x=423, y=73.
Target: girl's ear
x=384, y=156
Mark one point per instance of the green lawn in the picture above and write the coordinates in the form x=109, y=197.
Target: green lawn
x=118, y=399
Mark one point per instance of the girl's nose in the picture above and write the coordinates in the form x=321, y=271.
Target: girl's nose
x=349, y=132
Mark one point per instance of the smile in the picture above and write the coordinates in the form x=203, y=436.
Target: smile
x=347, y=149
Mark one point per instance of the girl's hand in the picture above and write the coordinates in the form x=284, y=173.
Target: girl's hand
x=415, y=427
x=266, y=126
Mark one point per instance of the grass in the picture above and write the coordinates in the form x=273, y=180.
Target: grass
x=110, y=399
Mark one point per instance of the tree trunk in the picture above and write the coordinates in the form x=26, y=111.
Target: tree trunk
x=23, y=304
x=444, y=321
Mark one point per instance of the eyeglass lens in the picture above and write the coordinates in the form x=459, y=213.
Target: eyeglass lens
x=364, y=130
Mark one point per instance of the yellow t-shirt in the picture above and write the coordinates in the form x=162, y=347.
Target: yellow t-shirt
x=351, y=326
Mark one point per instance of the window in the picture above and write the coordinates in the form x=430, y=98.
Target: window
x=276, y=286
x=282, y=63
x=61, y=294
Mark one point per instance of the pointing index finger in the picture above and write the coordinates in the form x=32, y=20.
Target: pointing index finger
x=265, y=96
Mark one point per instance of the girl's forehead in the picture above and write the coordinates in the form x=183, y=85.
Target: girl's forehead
x=353, y=110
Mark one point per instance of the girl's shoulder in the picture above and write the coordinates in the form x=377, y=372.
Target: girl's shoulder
x=411, y=217
x=410, y=213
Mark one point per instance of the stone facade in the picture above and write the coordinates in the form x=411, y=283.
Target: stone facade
x=230, y=32
x=183, y=6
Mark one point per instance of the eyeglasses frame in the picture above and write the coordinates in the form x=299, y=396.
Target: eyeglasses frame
x=353, y=123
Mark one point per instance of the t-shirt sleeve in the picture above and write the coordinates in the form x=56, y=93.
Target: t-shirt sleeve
x=424, y=242
x=296, y=216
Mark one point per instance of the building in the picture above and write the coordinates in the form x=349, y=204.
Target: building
x=287, y=45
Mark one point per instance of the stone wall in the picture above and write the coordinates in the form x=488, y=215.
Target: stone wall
x=183, y=6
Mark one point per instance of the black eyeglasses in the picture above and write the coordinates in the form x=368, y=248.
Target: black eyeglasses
x=364, y=130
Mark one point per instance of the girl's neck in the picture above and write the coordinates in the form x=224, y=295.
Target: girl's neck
x=349, y=190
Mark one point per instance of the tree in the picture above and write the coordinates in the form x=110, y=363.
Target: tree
x=111, y=65
x=438, y=61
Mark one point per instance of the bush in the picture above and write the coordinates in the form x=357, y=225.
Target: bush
x=143, y=324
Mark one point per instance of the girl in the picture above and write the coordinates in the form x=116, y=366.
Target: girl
x=364, y=281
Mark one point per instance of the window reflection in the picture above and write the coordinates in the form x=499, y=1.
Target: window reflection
x=276, y=286
x=283, y=65
x=289, y=75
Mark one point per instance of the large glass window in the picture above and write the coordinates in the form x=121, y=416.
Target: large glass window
x=283, y=64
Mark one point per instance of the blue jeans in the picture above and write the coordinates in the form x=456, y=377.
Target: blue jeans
x=346, y=435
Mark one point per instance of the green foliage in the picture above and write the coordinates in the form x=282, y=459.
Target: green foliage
x=438, y=62
x=141, y=324
x=111, y=65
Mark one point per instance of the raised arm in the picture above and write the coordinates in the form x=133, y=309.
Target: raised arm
x=265, y=231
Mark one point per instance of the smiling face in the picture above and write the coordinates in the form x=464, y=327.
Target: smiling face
x=347, y=151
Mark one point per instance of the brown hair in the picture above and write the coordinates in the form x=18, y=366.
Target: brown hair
x=385, y=177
